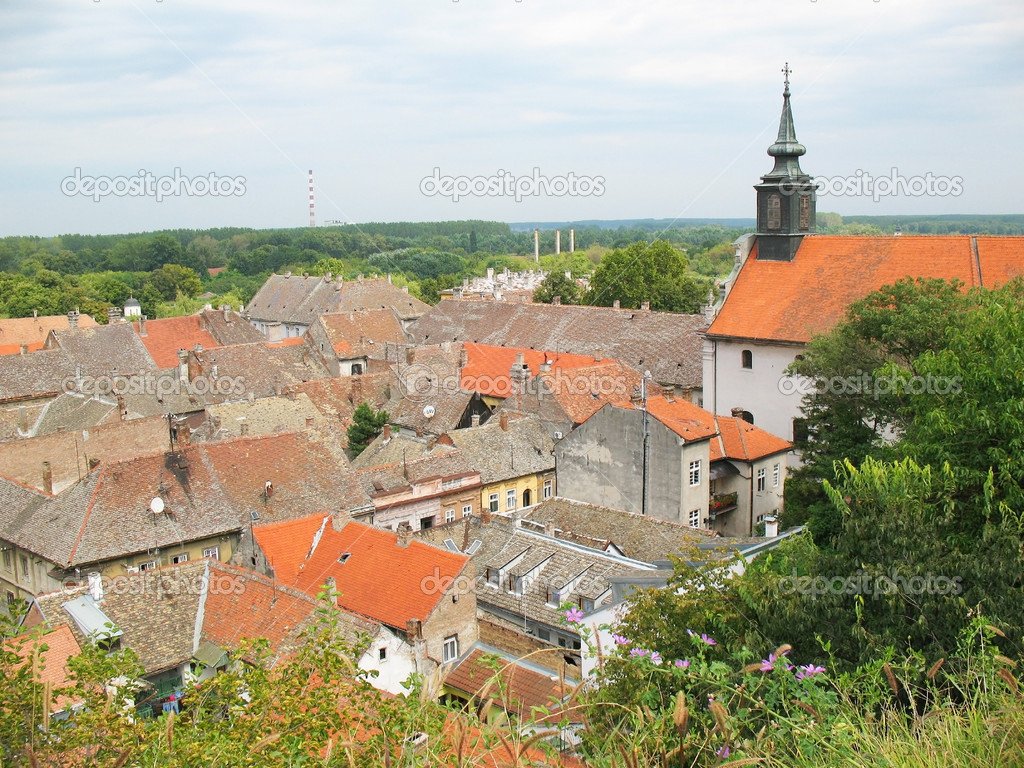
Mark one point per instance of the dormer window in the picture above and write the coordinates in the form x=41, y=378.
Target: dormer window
x=344, y=557
x=493, y=576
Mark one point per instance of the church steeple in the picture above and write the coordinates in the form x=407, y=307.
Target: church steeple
x=786, y=196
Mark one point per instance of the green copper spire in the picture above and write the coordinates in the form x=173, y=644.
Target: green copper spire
x=786, y=150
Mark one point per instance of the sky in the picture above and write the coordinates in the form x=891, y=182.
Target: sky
x=137, y=115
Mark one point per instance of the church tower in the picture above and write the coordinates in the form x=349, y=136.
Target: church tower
x=786, y=196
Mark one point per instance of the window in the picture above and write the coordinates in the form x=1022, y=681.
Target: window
x=24, y=566
x=776, y=474
x=774, y=212
x=382, y=654
x=467, y=510
x=213, y=552
x=747, y=359
x=760, y=518
x=748, y=417
x=800, y=433
x=178, y=559
x=493, y=576
x=10, y=597
x=695, y=472
x=544, y=634
x=805, y=211
x=426, y=522
x=586, y=604
x=515, y=584
x=449, y=515
x=7, y=559
x=450, y=652
x=149, y=565
x=548, y=488
x=510, y=499
x=694, y=518
x=494, y=502
x=760, y=479
x=553, y=597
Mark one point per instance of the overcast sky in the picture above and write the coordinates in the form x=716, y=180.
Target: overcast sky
x=658, y=109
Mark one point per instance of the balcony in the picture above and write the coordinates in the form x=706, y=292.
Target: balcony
x=723, y=502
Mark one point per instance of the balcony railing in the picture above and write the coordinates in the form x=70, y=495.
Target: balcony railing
x=720, y=502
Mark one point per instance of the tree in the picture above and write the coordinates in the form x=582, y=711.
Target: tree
x=366, y=425
x=557, y=284
x=169, y=279
x=855, y=405
x=652, y=272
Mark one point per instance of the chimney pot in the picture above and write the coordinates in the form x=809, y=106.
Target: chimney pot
x=142, y=325
x=47, y=477
x=96, y=586
x=404, y=534
x=475, y=420
x=387, y=432
x=615, y=304
x=645, y=306
x=556, y=300
x=737, y=413
x=503, y=422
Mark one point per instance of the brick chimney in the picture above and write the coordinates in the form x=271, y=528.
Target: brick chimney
x=645, y=306
x=47, y=477
x=503, y=422
x=615, y=304
x=386, y=433
x=113, y=315
x=122, y=409
x=404, y=534
x=737, y=413
x=73, y=319
x=142, y=325
x=474, y=420
x=183, y=366
x=556, y=300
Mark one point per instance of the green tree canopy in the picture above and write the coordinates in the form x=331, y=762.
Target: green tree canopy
x=557, y=284
x=366, y=425
x=654, y=272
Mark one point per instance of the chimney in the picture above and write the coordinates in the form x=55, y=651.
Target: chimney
x=572, y=241
x=463, y=357
x=556, y=300
x=278, y=388
x=549, y=530
x=122, y=410
x=389, y=279
x=359, y=277
x=47, y=477
x=490, y=273
x=244, y=428
x=474, y=420
x=457, y=293
x=404, y=534
x=22, y=418
x=503, y=422
x=615, y=304
x=431, y=442
x=142, y=325
x=113, y=315
x=309, y=421
x=771, y=526
x=737, y=413
x=386, y=432
x=24, y=348
x=330, y=583
x=183, y=366
x=558, y=241
x=93, y=463
x=327, y=277
x=598, y=355
x=96, y=586
x=72, y=320
x=410, y=355
x=536, y=245
x=645, y=306
x=414, y=629
x=184, y=435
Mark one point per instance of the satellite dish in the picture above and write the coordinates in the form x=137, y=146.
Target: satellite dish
x=428, y=411
x=156, y=505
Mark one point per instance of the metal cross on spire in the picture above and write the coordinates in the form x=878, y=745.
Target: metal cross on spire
x=787, y=72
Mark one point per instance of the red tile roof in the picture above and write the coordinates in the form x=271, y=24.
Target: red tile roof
x=739, y=439
x=792, y=301
x=164, y=337
x=33, y=331
x=61, y=646
x=379, y=579
x=362, y=330
x=687, y=420
x=487, y=367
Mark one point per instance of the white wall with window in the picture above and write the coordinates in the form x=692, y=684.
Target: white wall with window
x=450, y=650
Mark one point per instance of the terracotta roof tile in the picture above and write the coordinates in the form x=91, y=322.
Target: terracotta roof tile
x=487, y=366
x=665, y=343
x=295, y=299
x=519, y=691
x=164, y=337
x=61, y=646
x=793, y=301
x=379, y=579
x=689, y=421
x=741, y=440
x=33, y=331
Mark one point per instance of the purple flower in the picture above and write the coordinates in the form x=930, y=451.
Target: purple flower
x=655, y=657
x=689, y=632
x=637, y=652
x=683, y=663
x=620, y=640
x=723, y=752
x=808, y=670
x=767, y=665
x=573, y=615
x=708, y=640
